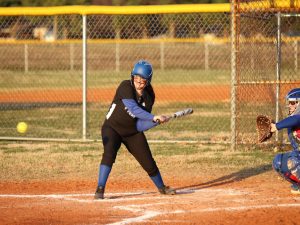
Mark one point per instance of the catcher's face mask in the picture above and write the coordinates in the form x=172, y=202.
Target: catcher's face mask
x=292, y=106
x=293, y=99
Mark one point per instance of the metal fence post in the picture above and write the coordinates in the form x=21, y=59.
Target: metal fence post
x=206, y=55
x=162, y=55
x=84, y=76
x=71, y=56
x=278, y=65
x=117, y=38
x=233, y=75
x=26, y=58
x=296, y=55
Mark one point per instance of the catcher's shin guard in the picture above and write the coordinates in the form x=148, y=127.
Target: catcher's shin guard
x=99, y=194
x=280, y=166
x=293, y=165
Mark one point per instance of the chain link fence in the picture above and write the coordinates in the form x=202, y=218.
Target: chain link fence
x=266, y=39
x=42, y=71
x=59, y=71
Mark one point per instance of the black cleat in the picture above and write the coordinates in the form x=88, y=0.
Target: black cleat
x=166, y=190
x=99, y=194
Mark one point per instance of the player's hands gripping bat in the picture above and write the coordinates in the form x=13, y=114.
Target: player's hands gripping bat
x=163, y=119
x=263, y=128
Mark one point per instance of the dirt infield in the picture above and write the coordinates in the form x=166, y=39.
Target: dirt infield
x=219, y=200
x=188, y=93
x=165, y=93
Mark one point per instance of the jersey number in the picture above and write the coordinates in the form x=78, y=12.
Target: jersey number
x=111, y=110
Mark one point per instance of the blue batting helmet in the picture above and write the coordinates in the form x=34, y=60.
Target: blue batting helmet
x=293, y=95
x=143, y=69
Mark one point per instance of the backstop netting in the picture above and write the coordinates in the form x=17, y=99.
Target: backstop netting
x=230, y=62
x=266, y=36
x=60, y=67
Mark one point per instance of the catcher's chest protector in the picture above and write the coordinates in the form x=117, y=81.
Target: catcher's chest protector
x=296, y=134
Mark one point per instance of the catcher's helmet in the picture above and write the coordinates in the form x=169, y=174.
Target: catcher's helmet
x=293, y=95
x=143, y=69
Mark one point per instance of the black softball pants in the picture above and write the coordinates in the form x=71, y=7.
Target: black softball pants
x=136, y=144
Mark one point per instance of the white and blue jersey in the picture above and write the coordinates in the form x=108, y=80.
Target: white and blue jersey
x=292, y=123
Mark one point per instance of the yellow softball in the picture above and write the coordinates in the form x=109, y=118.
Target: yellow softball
x=22, y=127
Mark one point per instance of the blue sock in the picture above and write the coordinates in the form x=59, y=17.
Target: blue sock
x=104, y=172
x=157, y=180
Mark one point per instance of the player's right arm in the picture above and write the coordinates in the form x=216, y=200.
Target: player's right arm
x=142, y=114
x=289, y=122
x=134, y=109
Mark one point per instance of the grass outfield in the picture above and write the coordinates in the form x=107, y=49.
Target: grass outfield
x=65, y=122
x=46, y=161
x=73, y=79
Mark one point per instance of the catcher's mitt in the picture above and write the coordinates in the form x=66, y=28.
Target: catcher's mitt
x=263, y=128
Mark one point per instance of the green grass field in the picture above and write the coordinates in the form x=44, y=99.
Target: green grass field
x=47, y=160
x=11, y=80
x=65, y=122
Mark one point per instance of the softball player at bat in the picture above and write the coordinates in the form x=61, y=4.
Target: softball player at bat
x=128, y=117
x=288, y=164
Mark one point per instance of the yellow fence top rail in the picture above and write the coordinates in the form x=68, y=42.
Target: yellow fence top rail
x=276, y=5
x=114, y=10
x=261, y=5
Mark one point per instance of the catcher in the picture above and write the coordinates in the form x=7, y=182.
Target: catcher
x=288, y=164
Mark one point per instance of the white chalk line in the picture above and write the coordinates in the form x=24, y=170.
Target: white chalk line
x=146, y=214
x=109, y=197
x=66, y=195
x=125, y=194
x=243, y=208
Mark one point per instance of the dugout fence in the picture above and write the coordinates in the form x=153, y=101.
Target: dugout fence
x=61, y=65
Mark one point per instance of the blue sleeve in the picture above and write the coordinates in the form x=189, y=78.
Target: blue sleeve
x=289, y=122
x=143, y=125
x=137, y=111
